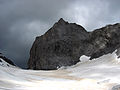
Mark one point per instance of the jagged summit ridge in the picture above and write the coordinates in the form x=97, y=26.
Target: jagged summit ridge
x=64, y=43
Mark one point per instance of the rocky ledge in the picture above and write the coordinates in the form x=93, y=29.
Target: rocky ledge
x=6, y=59
x=64, y=43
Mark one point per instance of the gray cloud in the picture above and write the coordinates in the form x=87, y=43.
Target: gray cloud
x=93, y=14
x=22, y=20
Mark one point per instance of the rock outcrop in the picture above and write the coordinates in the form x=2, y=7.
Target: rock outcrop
x=104, y=40
x=64, y=43
x=6, y=60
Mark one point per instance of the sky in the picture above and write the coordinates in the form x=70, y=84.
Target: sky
x=22, y=20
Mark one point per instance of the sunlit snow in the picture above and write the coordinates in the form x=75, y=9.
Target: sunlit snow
x=99, y=74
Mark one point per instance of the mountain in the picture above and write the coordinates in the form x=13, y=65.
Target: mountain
x=57, y=47
x=63, y=49
x=64, y=43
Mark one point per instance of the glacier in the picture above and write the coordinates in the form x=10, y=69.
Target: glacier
x=102, y=73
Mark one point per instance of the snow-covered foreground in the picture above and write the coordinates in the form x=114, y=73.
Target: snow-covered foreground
x=99, y=74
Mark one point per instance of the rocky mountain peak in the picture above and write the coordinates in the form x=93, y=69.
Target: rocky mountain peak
x=61, y=20
x=64, y=43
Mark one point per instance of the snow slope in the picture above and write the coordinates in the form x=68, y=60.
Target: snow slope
x=99, y=74
x=3, y=63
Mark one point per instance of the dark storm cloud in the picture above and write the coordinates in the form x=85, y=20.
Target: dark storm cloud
x=22, y=20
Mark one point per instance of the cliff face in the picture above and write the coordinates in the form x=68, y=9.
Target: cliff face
x=64, y=43
x=105, y=40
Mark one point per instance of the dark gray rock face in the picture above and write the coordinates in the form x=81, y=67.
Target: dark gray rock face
x=64, y=43
x=118, y=52
x=6, y=59
x=104, y=40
